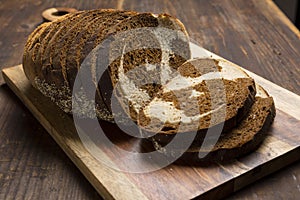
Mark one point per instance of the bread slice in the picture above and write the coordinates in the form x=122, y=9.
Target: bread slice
x=204, y=93
x=243, y=139
x=54, y=52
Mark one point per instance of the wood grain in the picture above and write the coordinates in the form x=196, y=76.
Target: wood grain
x=254, y=34
x=174, y=181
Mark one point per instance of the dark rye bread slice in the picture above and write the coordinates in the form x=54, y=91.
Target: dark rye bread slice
x=54, y=75
x=241, y=140
x=204, y=93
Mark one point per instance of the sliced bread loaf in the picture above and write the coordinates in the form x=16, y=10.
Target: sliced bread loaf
x=150, y=71
x=55, y=51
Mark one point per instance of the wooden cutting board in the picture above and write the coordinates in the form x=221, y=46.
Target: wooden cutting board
x=281, y=147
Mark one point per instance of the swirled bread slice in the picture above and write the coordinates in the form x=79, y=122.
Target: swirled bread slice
x=244, y=138
x=201, y=94
x=55, y=52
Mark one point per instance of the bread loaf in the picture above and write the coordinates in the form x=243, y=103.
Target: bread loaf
x=147, y=67
x=55, y=51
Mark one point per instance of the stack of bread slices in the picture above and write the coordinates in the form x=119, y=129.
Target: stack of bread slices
x=144, y=61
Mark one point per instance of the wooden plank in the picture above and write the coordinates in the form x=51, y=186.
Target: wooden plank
x=174, y=181
x=270, y=4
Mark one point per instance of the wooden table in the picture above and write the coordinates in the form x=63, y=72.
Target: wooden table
x=254, y=34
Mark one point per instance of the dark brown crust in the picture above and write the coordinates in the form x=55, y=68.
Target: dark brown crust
x=29, y=58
